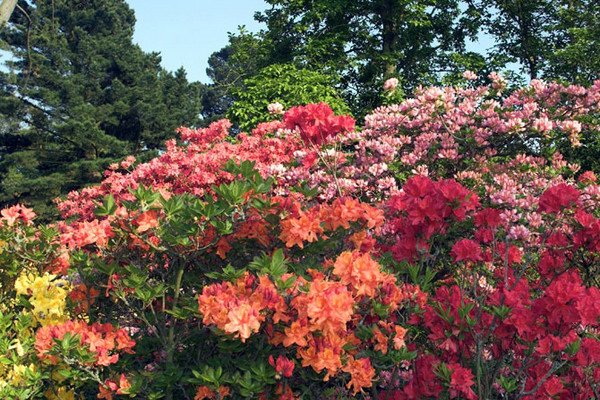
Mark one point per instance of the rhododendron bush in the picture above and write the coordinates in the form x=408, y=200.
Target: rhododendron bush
x=445, y=249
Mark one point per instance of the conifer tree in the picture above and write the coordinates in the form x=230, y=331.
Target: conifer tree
x=78, y=94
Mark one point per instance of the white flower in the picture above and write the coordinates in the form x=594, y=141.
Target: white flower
x=275, y=108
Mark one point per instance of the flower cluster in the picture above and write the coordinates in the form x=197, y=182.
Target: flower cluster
x=316, y=317
x=316, y=122
x=443, y=250
x=423, y=209
x=103, y=341
x=47, y=295
x=310, y=225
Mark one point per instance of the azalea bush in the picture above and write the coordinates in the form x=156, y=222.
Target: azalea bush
x=445, y=249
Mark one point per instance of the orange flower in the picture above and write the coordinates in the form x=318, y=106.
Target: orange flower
x=243, y=320
x=124, y=385
x=223, y=391
x=83, y=297
x=223, y=247
x=106, y=390
x=266, y=296
x=237, y=309
x=340, y=214
x=296, y=231
x=147, y=221
x=362, y=239
x=330, y=306
x=323, y=353
x=204, y=392
x=373, y=216
x=399, y=338
x=361, y=374
x=254, y=229
x=381, y=340
x=360, y=271
x=296, y=334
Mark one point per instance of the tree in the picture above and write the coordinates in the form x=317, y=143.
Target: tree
x=6, y=9
x=521, y=31
x=240, y=59
x=367, y=41
x=78, y=95
x=576, y=56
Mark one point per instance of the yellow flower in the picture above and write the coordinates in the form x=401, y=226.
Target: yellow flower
x=46, y=294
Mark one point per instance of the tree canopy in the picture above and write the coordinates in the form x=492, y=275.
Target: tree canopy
x=77, y=94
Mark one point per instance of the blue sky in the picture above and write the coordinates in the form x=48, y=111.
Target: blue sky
x=187, y=32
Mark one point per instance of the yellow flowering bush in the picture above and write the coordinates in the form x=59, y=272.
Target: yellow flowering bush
x=30, y=298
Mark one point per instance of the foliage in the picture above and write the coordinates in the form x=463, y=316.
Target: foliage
x=77, y=94
x=242, y=58
x=286, y=85
x=443, y=250
x=366, y=42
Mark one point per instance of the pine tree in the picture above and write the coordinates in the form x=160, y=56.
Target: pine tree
x=78, y=95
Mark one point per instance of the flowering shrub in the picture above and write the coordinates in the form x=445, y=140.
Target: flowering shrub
x=38, y=318
x=443, y=250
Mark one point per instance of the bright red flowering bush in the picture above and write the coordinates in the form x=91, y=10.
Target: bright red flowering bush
x=443, y=250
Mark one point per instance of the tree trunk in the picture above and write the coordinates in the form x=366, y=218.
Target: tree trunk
x=389, y=36
x=6, y=9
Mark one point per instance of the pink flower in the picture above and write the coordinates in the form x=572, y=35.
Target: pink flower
x=390, y=85
x=12, y=214
x=469, y=75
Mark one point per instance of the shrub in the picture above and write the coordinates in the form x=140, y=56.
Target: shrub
x=444, y=250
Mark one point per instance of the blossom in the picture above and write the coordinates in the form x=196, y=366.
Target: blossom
x=283, y=366
x=361, y=374
x=12, y=214
x=204, y=392
x=146, y=221
x=329, y=305
x=390, y=84
x=46, y=294
x=316, y=122
x=400, y=334
x=469, y=75
x=461, y=382
x=296, y=231
x=99, y=339
x=359, y=271
x=275, y=108
x=558, y=197
x=243, y=320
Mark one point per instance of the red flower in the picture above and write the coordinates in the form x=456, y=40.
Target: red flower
x=557, y=198
x=487, y=218
x=283, y=366
x=461, y=382
x=466, y=250
x=316, y=122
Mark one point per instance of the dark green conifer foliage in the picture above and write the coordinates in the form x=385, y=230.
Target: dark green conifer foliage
x=77, y=94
